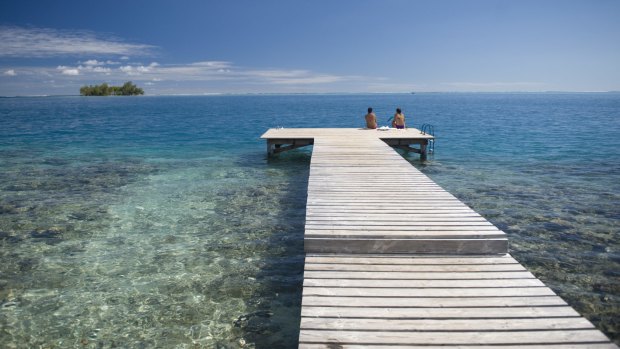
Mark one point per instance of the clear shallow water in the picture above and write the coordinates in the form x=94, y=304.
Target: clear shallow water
x=159, y=222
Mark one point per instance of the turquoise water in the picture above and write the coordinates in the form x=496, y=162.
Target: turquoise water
x=159, y=221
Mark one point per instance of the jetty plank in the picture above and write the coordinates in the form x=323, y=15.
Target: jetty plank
x=428, y=292
x=334, y=345
x=438, y=313
x=411, y=259
x=454, y=337
x=422, y=283
x=431, y=302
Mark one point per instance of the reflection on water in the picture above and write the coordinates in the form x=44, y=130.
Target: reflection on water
x=206, y=253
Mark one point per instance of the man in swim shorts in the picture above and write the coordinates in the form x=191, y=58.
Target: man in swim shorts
x=371, y=119
x=399, y=119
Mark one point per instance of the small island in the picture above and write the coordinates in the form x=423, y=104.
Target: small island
x=128, y=89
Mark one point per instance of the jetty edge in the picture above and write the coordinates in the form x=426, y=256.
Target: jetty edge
x=395, y=261
x=283, y=139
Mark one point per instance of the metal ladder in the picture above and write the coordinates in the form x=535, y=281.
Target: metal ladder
x=429, y=129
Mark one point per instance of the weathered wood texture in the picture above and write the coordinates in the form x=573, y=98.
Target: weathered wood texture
x=395, y=261
x=414, y=301
x=363, y=197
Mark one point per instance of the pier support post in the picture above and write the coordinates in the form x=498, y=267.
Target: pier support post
x=279, y=145
x=423, y=151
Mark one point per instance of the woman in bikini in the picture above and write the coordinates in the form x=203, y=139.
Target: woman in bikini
x=399, y=119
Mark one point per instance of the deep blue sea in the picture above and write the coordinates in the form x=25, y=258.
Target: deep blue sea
x=159, y=221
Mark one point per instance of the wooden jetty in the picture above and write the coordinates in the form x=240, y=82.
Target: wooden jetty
x=280, y=139
x=395, y=261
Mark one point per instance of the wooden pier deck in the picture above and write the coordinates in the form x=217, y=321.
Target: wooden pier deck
x=395, y=261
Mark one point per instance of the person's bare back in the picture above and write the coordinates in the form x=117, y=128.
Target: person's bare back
x=371, y=119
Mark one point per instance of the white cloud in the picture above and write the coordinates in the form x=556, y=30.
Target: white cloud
x=494, y=86
x=305, y=80
x=148, y=68
x=294, y=77
x=71, y=72
x=212, y=64
x=102, y=70
x=47, y=42
x=227, y=72
x=10, y=72
x=199, y=77
x=128, y=69
x=64, y=70
x=92, y=62
x=209, y=72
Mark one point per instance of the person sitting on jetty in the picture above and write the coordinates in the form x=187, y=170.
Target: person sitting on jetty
x=371, y=119
x=399, y=119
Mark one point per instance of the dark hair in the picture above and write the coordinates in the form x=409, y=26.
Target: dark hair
x=370, y=110
x=398, y=110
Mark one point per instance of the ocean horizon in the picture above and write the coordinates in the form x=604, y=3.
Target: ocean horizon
x=159, y=221
x=198, y=94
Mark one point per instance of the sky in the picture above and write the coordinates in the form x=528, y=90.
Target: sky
x=316, y=46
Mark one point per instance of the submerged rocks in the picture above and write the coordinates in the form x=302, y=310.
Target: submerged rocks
x=49, y=236
x=4, y=236
x=8, y=209
x=46, y=234
x=256, y=322
x=69, y=195
x=79, y=216
x=555, y=227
